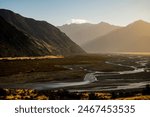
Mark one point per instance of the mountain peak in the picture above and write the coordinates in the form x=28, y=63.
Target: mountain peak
x=78, y=23
x=103, y=22
x=6, y=11
x=83, y=33
x=139, y=23
x=133, y=38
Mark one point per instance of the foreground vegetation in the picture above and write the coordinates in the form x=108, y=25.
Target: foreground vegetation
x=29, y=94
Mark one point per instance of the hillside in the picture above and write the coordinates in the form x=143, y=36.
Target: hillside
x=83, y=33
x=135, y=37
x=46, y=39
x=15, y=43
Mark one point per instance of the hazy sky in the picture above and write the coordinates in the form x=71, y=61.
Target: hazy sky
x=59, y=12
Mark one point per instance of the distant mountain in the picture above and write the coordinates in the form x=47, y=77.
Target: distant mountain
x=28, y=37
x=134, y=37
x=83, y=33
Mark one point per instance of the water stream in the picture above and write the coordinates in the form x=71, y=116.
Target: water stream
x=95, y=76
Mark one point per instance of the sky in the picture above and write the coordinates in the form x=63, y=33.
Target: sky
x=59, y=12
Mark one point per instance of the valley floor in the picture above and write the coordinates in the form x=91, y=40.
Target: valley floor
x=105, y=76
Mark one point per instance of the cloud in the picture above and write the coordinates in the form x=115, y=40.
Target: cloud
x=79, y=21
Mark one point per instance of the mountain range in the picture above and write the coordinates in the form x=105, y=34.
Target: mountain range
x=107, y=38
x=21, y=36
x=86, y=32
x=135, y=37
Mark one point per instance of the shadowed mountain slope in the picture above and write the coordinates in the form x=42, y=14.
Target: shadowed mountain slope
x=15, y=43
x=48, y=39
